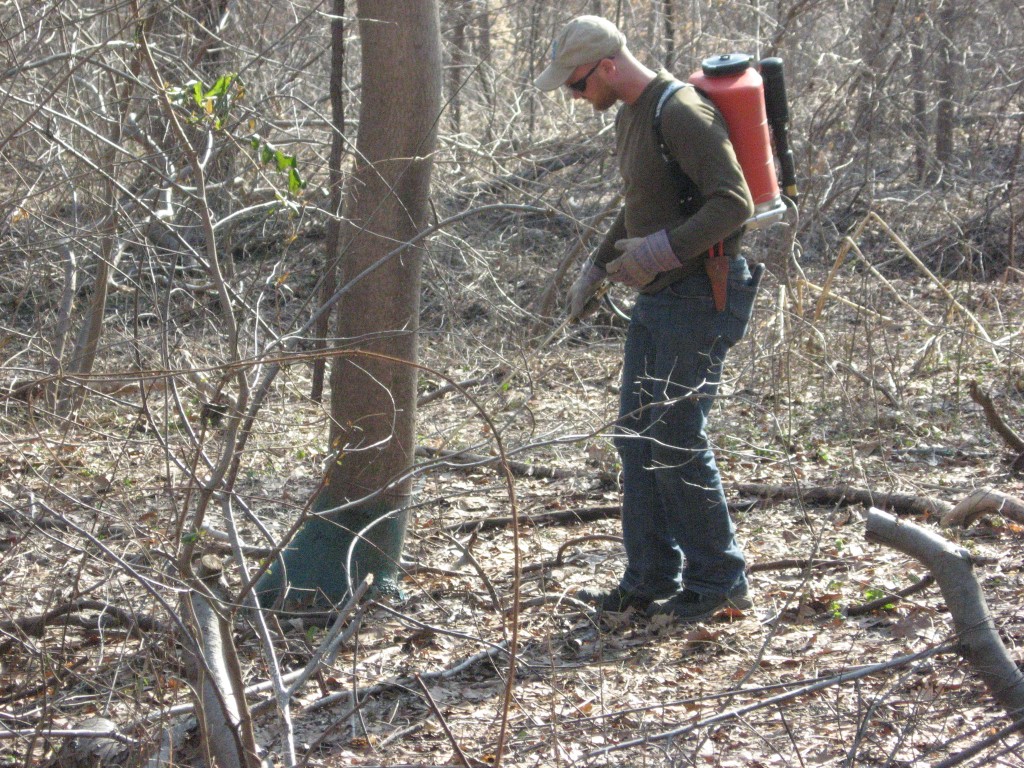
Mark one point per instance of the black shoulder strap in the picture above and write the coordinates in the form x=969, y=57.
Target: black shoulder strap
x=689, y=196
x=671, y=88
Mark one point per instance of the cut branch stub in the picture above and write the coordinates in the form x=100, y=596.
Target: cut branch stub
x=979, y=641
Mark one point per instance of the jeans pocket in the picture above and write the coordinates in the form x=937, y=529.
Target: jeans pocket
x=739, y=305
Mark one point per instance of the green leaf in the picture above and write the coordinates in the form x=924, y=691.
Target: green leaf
x=191, y=537
x=284, y=162
x=220, y=88
x=295, y=182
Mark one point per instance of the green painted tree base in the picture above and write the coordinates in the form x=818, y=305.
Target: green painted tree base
x=311, y=573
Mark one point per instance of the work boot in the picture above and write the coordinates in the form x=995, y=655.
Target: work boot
x=614, y=600
x=689, y=606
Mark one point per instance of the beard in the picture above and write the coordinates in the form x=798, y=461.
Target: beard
x=603, y=98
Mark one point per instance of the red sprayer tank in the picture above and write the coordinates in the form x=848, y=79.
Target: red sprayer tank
x=737, y=89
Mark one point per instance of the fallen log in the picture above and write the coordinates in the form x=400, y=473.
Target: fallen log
x=904, y=503
x=984, y=501
x=566, y=517
x=978, y=639
x=68, y=613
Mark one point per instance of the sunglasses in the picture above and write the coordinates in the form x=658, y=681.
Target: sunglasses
x=579, y=86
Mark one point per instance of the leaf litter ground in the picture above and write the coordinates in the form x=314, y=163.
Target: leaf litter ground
x=844, y=401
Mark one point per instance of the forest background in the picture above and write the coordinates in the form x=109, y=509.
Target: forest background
x=168, y=212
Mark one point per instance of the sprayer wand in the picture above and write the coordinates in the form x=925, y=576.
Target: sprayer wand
x=777, y=109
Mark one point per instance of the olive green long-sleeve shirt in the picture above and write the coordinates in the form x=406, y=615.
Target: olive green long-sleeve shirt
x=698, y=140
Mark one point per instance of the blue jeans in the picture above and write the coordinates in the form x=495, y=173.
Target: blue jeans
x=675, y=522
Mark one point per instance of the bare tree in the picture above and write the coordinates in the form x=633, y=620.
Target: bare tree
x=949, y=19
x=361, y=517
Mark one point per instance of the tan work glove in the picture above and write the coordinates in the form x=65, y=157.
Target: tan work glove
x=642, y=259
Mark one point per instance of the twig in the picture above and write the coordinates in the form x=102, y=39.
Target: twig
x=930, y=275
x=399, y=733
x=402, y=683
x=871, y=382
x=69, y=733
x=892, y=289
x=874, y=605
x=335, y=724
x=215, y=673
x=773, y=701
x=801, y=563
x=468, y=556
x=974, y=749
x=475, y=461
x=846, y=302
x=562, y=599
x=53, y=680
x=558, y=562
x=565, y=517
x=328, y=648
x=444, y=723
x=848, y=242
x=437, y=394
x=999, y=426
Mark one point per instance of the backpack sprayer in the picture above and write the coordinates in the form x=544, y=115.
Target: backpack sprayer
x=755, y=109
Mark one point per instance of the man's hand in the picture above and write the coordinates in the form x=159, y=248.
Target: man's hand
x=581, y=295
x=642, y=259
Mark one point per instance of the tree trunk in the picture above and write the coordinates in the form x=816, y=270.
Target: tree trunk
x=669, y=20
x=919, y=84
x=336, y=88
x=83, y=356
x=361, y=523
x=456, y=24
x=875, y=38
x=945, y=81
x=482, y=42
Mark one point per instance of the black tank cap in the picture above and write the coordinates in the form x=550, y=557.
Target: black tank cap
x=726, y=64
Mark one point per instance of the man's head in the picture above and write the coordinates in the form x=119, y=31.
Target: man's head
x=586, y=40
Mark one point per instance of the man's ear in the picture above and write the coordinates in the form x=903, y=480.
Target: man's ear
x=609, y=70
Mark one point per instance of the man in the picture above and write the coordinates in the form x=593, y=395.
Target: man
x=679, y=539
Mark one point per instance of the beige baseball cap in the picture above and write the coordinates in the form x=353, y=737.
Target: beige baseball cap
x=584, y=39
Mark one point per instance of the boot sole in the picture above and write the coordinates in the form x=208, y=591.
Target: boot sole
x=736, y=603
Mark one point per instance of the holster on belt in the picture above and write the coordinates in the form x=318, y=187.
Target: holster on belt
x=716, y=264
